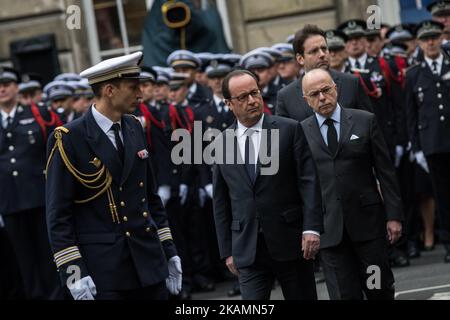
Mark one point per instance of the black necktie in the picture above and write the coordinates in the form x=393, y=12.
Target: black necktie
x=250, y=159
x=357, y=64
x=331, y=136
x=120, y=150
x=434, y=64
x=221, y=106
x=9, y=121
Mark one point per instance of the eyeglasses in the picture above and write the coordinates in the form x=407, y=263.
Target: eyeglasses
x=244, y=97
x=325, y=91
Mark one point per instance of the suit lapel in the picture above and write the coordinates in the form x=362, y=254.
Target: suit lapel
x=316, y=135
x=345, y=131
x=268, y=124
x=102, y=147
x=129, y=140
x=238, y=159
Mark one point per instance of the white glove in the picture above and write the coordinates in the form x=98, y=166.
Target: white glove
x=173, y=281
x=83, y=289
x=201, y=197
x=399, y=151
x=183, y=193
x=164, y=194
x=421, y=161
x=209, y=190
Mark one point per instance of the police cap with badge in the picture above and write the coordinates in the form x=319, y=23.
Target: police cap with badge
x=218, y=67
x=354, y=28
x=401, y=32
x=58, y=90
x=148, y=74
x=183, y=59
x=8, y=74
x=336, y=39
x=256, y=59
x=177, y=80
x=286, y=50
x=30, y=82
x=439, y=8
x=429, y=29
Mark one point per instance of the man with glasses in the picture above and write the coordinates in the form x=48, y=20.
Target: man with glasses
x=311, y=50
x=348, y=148
x=265, y=220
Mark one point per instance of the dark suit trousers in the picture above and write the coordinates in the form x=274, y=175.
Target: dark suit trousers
x=345, y=267
x=27, y=231
x=154, y=292
x=440, y=178
x=296, y=277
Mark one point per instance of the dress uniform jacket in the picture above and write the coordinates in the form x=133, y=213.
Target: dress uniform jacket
x=22, y=161
x=428, y=108
x=374, y=84
x=211, y=119
x=156, y=132
x=122, y=250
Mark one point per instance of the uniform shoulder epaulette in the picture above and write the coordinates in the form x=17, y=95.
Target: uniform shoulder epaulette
x=135, y=118
x=412, y=67
x=62, y=129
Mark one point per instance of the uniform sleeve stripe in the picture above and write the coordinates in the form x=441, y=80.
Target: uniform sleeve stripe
x=164, y=234
x=67, y=256
x=66, y=251
x=67, y=259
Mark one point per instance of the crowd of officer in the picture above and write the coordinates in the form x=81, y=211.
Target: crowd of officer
x=404, y=70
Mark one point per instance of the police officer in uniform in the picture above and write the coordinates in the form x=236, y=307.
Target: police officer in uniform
x=184, y=61
x=23, y=136
x=107, y=226
x=428, y=114
x=336, y=46
x=288, y=68
x=260, y=63
x=60, y=94
x=440, y=11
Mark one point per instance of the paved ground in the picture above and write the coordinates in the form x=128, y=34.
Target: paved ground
x=428, y=277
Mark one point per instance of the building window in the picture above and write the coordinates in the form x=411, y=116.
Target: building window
x=115, y=26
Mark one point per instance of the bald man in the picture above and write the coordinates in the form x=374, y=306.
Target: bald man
x=351, y=155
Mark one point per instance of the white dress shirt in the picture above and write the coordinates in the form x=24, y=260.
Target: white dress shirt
x=439, y=61
x=105, y=124
x=256, y=140
x=5, y=116
x=192, y=89
x=217, y=101
x=336, y=116
x=362, y=61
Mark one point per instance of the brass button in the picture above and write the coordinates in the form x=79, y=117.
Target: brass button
x=148, y=229
x=438, y=84
x=9, y=135
x=141, y=184
x=122, y=204
x=174, y=171
x=128, y=234
x=120, y=189
x=11, y=148
x=143, y=200
x=441, y=107
x=13, y=160
x=125, y=218
x=145, y=214
x=439, y=95
x=15, y=173
x=442, y=118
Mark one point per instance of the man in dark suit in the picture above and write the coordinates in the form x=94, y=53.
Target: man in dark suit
x=107, y=226
x=351, y=156
x=311, y=50
x=265, y=219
